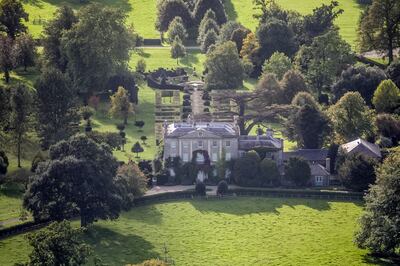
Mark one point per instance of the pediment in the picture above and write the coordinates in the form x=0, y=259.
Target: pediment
x=200, y=134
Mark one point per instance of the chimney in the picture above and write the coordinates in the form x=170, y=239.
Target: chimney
x=328, y=164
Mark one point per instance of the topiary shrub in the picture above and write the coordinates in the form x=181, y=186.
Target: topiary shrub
x=200, y=189
x=186, y=103
x=186, y=97
x=222, y=188
x=207, y=103
x=206, y=110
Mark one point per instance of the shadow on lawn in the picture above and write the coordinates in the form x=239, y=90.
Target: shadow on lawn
x=230, y=10
x=374, y=260
x=117, y=249
x=257, y=205
x=150, y=215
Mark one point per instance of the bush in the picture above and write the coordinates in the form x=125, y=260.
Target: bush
x=222, y=188
x=246, y=169
x=298, y=171
x=357, y=172
x=206, y=110
x=200, y=189
x=186, y=97
x=207, y=103
x=269, y=173
x=186, y=103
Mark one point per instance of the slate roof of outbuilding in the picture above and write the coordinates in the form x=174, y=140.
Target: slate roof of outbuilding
x=362, y=146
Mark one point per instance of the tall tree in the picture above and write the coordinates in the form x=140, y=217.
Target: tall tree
x=6, y=56
x=58, y=244
x=393, y=72
x=380, y=224
x=224, y=68
x=386, y=97
x=309, y=127
x=379, y=27
x=321, y=20
x=227, y=30
x=168, y=10
x=24, y=51
x=277, y=64
x=323, y=60
x=206, y=26
x=11, y=15
x=210, y=38
x=268, y=90
x=64, y=19
x=97, y=47
x=292, y=83
x=120, y=105
x=215, y=5
x=276, y=36
x=57, y=111
x=357, y=172
x=351, y=117
x=77, y=181
x=360, y=78
x=298, y=171
x=20, y=117
x=176, y=28
x=177, y=49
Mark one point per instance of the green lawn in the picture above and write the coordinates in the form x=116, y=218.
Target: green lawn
x=243, y=231
x=161, y=57
x=242, y=10
x=140, y=13
x=10, y=202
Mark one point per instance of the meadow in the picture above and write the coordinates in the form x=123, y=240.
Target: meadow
x=241, y=231
x=142, y=13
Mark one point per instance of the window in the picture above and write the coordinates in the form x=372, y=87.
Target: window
x=173, y=144
x=185, y=157
x=228, y=156
x=319, y=180
x=215, y=143
x=228, y=143
x=185, y=144
x=214, y=157
x=200, y=144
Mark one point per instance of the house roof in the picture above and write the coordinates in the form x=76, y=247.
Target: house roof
x=362, y=146
x=307, y=154
x=181, y=129
x=318, y=170
x=251, y=142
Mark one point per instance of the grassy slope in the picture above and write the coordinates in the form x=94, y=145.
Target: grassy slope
x=242, y=10
x=248, y=231
x=140, y=13
x=10, y=202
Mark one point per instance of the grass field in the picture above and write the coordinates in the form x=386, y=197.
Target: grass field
x=10, y=202
x=243, y=231
x=242, y=11
x=142, y=13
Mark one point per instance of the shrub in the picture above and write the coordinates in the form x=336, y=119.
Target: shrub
x=298, y=171
x=3, y=163
x=186, y=103
x=200, y=189
x=222, y=188
x=206, y=110
x=207, y=103
x=135, y=182
x=139, y=124
x=357, y=172
x=39, y=157
x=246, y=169
x=269, y=172
x=186, y=97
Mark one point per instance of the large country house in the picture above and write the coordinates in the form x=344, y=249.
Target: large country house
x=205, y=142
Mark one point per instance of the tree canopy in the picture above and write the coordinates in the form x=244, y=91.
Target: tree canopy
x=12, y=15
x=224, y=68
x=386, y=97
x=79, y=180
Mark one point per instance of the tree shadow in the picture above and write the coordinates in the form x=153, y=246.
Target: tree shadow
x=149, y=215
x=237, y=206
x=114, y=248
x=230, y=10
x=123, y=5
x=370, y=259
x=11, y=190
